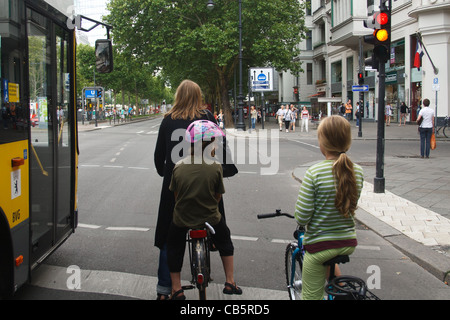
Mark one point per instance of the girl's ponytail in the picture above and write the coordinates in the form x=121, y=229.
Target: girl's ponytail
x=335, y=138
x=346, y=188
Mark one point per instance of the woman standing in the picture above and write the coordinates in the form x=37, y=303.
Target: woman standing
x=254, y=116
x=426, y=128
x=187, y=108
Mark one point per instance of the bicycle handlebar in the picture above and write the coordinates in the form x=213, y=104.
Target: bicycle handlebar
x=278, y=213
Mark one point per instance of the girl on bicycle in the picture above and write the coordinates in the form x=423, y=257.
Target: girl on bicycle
x=326, y=204
x=197, y=183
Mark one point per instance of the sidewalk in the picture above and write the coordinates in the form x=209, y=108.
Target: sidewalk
x=102, y=124
x=413, y=213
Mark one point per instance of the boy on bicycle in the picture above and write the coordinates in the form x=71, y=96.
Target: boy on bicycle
x=197, y=183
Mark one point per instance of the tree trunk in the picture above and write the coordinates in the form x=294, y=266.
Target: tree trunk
x=226, y=107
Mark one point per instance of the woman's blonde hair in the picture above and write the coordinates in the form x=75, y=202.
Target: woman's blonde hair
x=335, y=138
x=188, y=102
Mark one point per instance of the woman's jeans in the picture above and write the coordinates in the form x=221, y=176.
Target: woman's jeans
x=164, y=281
x=425, y=139
x=253, y=123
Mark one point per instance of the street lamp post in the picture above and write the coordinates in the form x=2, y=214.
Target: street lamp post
x=240, y=125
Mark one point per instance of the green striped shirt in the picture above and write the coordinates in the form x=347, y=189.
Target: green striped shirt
x=315, y=206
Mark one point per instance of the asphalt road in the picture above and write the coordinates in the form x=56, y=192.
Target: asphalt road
x=119, y=193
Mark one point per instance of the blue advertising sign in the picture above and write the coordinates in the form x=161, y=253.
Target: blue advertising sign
x=90, y=94
x=5, y=90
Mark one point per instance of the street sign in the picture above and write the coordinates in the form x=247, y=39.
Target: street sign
x=261, y=79
x=91, y=94
x=436, y=85
x=360, y=88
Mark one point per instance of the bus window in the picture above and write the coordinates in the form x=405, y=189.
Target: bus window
x=42, y=135
x=13, y=107
x=63, y=125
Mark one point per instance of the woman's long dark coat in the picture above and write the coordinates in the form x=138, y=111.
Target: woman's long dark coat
x=164, y=166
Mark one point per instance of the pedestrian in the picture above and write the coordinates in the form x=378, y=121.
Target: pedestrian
x=326, y=204
x=305, y=119
x=254, y=116
x=280, y=116
x=388, y=114
x=358, y=114
x=403, y=113
x=342, y=110
x=287, y=118
x=293, y=118
x=426, y=128
x=197, y=183
x=348, y=110
x=221, y=119
x=187, y=108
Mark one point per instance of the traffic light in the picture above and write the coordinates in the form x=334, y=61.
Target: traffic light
x=360, y=78
x=99, y=93
x=380, y=21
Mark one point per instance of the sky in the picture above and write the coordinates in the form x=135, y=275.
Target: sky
x=93, y=9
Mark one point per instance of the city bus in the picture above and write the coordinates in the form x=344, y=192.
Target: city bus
x=38, y=135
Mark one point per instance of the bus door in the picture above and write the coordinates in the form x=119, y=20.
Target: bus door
x=51, y=143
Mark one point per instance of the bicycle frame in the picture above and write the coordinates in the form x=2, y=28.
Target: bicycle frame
x=199, y=258
x=299, y=249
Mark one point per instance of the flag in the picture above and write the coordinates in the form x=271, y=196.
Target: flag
x=418, y=56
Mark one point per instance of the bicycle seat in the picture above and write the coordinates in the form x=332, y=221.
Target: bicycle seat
x=337, y=260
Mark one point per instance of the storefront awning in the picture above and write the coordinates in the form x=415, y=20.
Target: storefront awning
x=319, y=94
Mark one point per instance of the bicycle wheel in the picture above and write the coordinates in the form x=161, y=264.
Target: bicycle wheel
x=293, y=268
x=200, y=266
x=443, y=131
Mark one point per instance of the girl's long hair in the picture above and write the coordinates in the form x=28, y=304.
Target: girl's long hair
x=335, y=137
x=188, y=103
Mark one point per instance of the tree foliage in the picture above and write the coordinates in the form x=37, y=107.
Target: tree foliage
x=186, y=40
x=130, y=78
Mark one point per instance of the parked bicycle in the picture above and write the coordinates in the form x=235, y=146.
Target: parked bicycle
x=200, y=245
x=444, y=127
x=337, y=288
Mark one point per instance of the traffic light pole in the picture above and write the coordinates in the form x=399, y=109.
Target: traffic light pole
x=361, y=94
x=379, y=181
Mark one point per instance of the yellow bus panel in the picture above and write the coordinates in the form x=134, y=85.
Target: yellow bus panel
x=14, y=177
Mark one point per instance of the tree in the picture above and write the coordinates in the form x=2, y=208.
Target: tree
x=186, y=40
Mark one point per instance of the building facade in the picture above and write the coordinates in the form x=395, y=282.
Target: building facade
x=331, y=57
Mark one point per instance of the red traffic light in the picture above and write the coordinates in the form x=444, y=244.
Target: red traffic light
x=382, y=18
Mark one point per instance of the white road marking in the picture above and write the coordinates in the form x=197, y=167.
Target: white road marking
x=253, y=239
x=88, y=226
x=127, y=229
x=306, y=144
x=233, y=237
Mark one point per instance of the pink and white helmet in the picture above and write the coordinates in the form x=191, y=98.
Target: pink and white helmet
x=203, y=130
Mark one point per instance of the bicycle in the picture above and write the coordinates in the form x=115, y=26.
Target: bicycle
x=443, y=127
x=337, y=288
x=200, y=245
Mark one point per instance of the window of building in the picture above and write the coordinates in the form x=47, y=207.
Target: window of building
x=349, y=68
x=309, y=73
x=309, y=40
x=336, y=72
